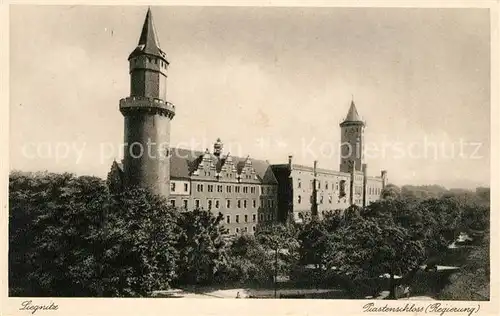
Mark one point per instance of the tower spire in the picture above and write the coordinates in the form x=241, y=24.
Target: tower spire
x=352, y=114
x=149, y=43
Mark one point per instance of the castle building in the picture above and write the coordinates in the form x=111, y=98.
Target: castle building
x=247, y=192
x=306, y=192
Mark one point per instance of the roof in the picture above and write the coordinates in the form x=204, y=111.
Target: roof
x=352, y=114
x=148, y=41
x=183, y=162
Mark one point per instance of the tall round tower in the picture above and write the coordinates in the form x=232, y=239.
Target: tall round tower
x=147, y=115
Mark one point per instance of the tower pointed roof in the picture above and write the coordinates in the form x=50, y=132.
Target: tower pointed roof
x=148, y=41
x=352, y=114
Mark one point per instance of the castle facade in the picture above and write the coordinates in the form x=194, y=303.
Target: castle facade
x=247, y=192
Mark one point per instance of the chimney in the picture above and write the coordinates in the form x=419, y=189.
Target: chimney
x=290, y=160
x=314, y=200
x=383, y=175
x=365, y=175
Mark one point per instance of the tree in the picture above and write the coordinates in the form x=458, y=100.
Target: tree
x=472, y=281
x=483, y=194
x=312, y=238
x=138, y=238
x=368, y=248
x=248, y=262
x=281, y=242
x=201, y=246
x=391, y=191
x=70, y=237
x=52, y=223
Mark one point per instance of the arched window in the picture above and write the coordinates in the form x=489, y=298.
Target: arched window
x=299, y=199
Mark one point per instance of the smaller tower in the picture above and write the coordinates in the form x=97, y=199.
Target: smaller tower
x=352, y=142
x=365, y=180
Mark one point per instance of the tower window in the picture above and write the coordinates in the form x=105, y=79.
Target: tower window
x=299, y=199
x=185, y=187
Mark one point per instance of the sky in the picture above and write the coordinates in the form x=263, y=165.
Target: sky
x=270, y=82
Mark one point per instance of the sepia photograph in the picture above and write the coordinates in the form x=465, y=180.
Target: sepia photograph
x=250, y=152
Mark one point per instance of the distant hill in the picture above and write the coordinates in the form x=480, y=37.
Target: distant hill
x=438, y=191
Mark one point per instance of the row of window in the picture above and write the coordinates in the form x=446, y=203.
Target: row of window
x=154, y=60
x=173, y=187
x=320, y=200
x=371, y=191
x=240, y=203
x=262, y=217
x=245, y=229
x=374, y=190
x=241, y=176
x=358, y=189
x=338, y=185
x=200, y=187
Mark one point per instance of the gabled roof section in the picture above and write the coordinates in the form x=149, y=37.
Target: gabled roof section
x=148, y=41
x=184, y=162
